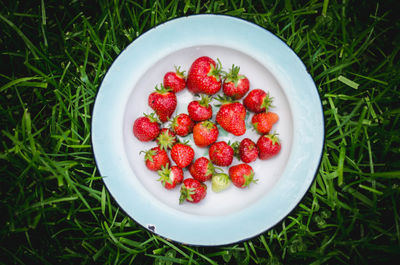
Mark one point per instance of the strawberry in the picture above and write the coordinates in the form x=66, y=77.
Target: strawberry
x=170, y=176
x=182, y=124
x=202, y=169
x=155, y=158
x=257, y=101
x=175, y=80
x=264, y=121
x=221, y=154
x=220, y=182
x=192, y=191
x=200, y=110
x=231, y=116
x=235, y=85
x=205, y=133
x=248, y=151
x=163, y=102
x=268, y=146
x=166, y=139
x=182, y=154
x=146, y=128
x=204, y=76
x=242, y=175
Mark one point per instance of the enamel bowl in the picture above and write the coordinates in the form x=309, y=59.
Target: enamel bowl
x=234, y=214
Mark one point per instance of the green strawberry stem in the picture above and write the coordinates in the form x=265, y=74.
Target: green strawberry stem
x=186, y=194
x=162, y=89
x=205, y=100
x=179, y=72
x=164, y=174
x=233, y=75
x=216, y=70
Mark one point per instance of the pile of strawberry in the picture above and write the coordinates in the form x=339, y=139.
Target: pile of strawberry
x=206, y=78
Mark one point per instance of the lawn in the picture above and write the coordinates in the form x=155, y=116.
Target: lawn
x=54, y=206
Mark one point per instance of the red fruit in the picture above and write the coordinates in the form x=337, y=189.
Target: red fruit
x=200, y=110
x=221, y=154
x=170, y=176
x=146, y=128
x=205, y=133
x=204, y=76
x=242, y=175
x=182, y=154
x=264, y=121
x=156, y=158
x=257, y=101
x=192, y=191
x=235, y=85
x=163, y=102
x=166, y=139
x=248, y=151
x=231, y=116
x=175, y=80
x=202, y=169
x=268, y=146
x=182, y=124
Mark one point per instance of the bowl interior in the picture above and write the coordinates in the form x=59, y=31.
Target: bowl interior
x=267, y=172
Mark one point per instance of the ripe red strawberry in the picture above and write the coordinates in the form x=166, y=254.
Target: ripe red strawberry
x=268, y=146
x=205, y=133
x=146, y=128
x=182, y=124
x=221, y=154
x=175, y=80
x=182, y=154
x=231, y=116
x=170, y=176
x=257, y=101
x=202, y=169
x=235, y=85
x=242, y=175
x=200, y=110
x=166, y=139
x=264, y=121
x=248, y=151
x=204, y=76
x=155, y=158
x=192, y=191
x=163, y=102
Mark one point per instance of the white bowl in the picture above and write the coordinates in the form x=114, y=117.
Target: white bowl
x=234, y=214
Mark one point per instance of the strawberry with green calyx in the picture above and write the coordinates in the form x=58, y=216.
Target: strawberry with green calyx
x=205, y=133
x=263, y=122
x=166, y=139
x=247, y=150
x=257, y=101
x=242, y=175
x=155, y=158
x=268, y=146
x=146, y=128
x=163, y=102
x=231, y=116
x=200, y=110
x=176, y=81
x=170, y=176
x=221, y=154
x=202, y=169
x=204, y=76
x=235, y=85
x=182, y=124
x=192, y=191
x=182, y=154
x=220, y=182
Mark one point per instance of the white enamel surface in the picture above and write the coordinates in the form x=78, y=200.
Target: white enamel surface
x=234, y=214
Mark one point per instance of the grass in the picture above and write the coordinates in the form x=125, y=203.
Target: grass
x=55, y=208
